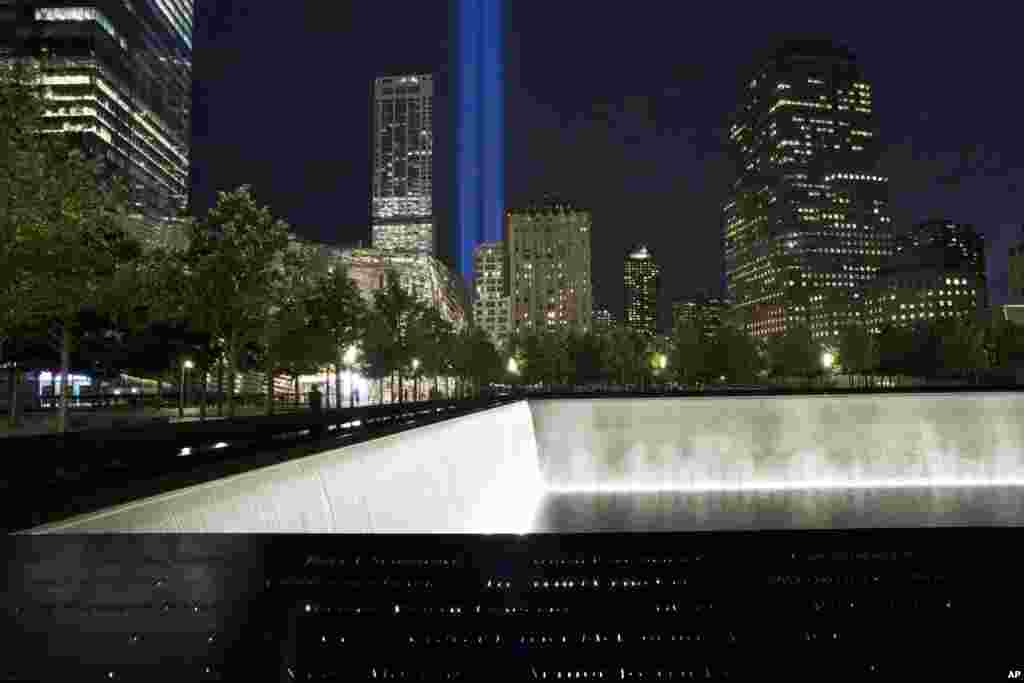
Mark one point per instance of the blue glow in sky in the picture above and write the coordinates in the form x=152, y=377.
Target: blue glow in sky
x=479, y=129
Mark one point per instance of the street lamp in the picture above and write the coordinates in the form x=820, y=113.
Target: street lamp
x=827, y=359
x=187, y=365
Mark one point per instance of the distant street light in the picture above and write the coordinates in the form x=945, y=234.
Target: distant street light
x=513, y=367
x=827, y=359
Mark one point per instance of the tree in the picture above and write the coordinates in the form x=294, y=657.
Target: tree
x=378, y=350
x=230, y=272
x=895, y=348
x=386, y=348
x=734, y=355
x=431, y=338
x=289, y=341
x=924, y=358
x=339, y=310
x=1005, y=343
x=26, y=159
x=80, y=250
x=625, y=353
x=856, y=351
x=585, y=357
x=477, y=360
x=546, y=357
x=688, y=361
x=794, y=353
x=962, y=348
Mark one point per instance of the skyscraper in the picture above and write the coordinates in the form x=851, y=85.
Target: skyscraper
x=403, y=163
x=491, y=301
x=547, y=246
x=937, y=273
x=478, y=107
x=119, y=79
x=642, y=279
x=806, y=223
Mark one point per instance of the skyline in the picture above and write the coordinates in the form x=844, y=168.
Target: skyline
x=631, y=137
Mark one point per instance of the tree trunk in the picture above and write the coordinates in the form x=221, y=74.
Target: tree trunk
x=202, y=394
x=270, y=393
x=232, y=373
x=220, y=386
x=295, y=389
x=13, y=405
x=337, y=380
x=65, y=367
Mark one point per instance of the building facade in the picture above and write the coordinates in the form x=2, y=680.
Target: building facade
x=548, y=253
x=602, y=319
x=117, y=77
x=807, y=222
x=403, y=163
x=936, y=273
x=478, y=135
x=707, y=313
x=491, y=304
x=428, y=279
x=642, y=280
x=415, y=237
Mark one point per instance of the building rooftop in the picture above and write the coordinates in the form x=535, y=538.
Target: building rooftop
x=640, y=251
x=549, y=203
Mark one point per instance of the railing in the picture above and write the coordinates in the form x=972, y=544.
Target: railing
x=66, y=467
x=755, y=389
x=164, y=400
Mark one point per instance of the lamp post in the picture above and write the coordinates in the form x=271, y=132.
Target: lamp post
x=187, y=365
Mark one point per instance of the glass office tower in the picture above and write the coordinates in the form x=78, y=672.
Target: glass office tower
x=642, y=280
x=118, y=77
x=806, y=224
x=403, y=164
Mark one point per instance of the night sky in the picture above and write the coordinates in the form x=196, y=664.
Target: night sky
x=622, y=111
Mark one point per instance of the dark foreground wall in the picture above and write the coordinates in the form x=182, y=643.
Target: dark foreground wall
x=925, y=605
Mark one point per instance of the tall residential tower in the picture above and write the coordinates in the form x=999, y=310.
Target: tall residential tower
x=491, y=300
x=547, y=246
x=642, y=280
x=807, y=221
